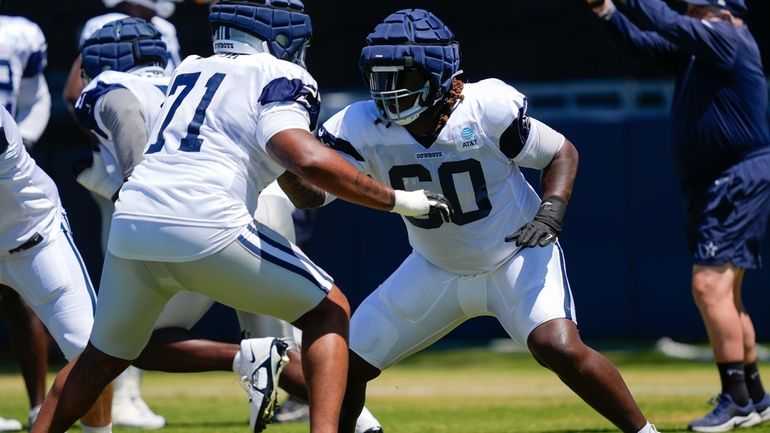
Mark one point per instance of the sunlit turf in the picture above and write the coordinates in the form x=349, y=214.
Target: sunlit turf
x=459, y=390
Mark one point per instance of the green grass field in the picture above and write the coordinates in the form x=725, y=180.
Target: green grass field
x=463, y=391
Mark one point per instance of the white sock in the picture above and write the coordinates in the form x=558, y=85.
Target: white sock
x=90, y=429
x=237, y=363
x=366, y=421
x=648, y=428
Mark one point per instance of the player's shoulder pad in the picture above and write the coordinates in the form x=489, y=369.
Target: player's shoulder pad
x=189, y=60
x=27, y=28
x=347, y=129
x=28, y=43
x=499, y=103
x=85, y=107
x=292, y=84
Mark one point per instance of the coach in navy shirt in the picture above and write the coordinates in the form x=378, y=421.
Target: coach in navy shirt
x=721, y=149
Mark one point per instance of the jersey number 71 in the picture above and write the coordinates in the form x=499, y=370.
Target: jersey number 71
x=190, y=143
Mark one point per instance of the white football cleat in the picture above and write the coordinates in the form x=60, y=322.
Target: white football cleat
x=9, y=425
x=132, y=412
x=367, y=423
x=128, y=408
x=292, y=410
x=261, y=363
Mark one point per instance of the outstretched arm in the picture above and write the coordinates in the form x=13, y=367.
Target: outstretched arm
x=303, y=194
x=645, y=45
x=707, y=39
x=303, y=155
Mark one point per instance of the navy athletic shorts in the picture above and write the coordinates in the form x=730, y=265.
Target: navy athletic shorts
x=726, y=219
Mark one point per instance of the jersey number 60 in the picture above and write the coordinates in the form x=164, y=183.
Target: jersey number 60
x=446, y=172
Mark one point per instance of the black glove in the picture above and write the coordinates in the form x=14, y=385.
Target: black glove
x=439, y=205
x=544, y=227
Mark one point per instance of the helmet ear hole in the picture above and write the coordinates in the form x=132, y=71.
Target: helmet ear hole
x=282, y=40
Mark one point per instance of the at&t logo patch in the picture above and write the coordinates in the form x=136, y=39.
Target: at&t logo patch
x=468, y=138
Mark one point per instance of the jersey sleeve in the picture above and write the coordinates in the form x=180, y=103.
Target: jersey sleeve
x=38, y=53
x=524, y=140
x=505, y=111
x=336, y=136
x=121, y=114
x=85, y=107
x=542, y=144
x=289, y=101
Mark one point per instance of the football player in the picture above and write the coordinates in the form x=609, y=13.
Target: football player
x=24, y=94
x=38, y=258
x=499, y=255
x=119, y=106
x=154, y=11
x=129, y=409
x=230, y=125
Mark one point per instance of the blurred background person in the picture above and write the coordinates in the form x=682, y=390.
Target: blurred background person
x=129, y=409
x=24, y=93
x=721, y=148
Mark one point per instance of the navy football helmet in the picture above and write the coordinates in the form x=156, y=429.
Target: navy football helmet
x=123, y=45
x=407, y=42
x=280, y=27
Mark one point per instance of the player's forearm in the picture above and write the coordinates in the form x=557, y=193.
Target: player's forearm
x=642, y=44
x=302, y=194
x=300, y=153
x=558, y=177
x=337, y=176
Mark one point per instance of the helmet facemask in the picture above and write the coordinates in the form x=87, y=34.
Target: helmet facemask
x=400, y=94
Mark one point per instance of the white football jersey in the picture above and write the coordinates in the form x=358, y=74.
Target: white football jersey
x=28, y=197
x=149, y=90
x=23, y=54
x=466, y=164
x=166, y=29
x=206, y=162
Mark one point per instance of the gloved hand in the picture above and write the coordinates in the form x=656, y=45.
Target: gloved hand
x=421, y=202
x=544, y=227
x=97, y=178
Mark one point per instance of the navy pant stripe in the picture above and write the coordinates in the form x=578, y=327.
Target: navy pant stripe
x=567, y=291
x=279, y=262
x=266, y=238
x=86, y=278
